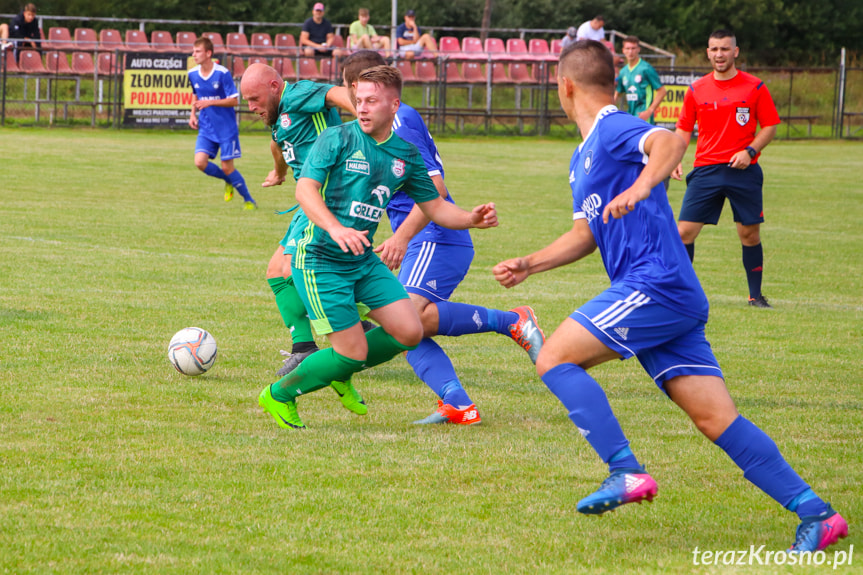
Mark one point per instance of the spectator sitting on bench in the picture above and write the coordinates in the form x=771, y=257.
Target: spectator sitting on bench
x=363, y=35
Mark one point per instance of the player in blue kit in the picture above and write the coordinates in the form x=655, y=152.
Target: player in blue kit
x=214, y=118
x=434, y=260
x=655, y=308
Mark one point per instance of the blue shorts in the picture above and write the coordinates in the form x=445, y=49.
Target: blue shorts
x=708, y=186
x=230, y=148
x=434, y=270
x=667, y=343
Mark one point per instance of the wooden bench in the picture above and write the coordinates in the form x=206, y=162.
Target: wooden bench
x=791, y=119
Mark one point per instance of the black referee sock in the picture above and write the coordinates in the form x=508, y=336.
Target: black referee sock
x=690, y=249
x=753, y=262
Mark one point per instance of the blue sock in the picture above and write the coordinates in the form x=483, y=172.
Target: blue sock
x=588, y=409
x=461, y=318
x=762, y=464
x=215, y=171
x=434, y=368
x=236, y=180
x=623, y=459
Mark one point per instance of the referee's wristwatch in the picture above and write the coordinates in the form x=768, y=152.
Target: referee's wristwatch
x=751, y=151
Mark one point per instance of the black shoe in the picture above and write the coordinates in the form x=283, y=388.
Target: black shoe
x=760, y=301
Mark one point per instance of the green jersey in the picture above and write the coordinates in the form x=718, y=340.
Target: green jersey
x=358, y=177
x=303, y=116
x=639, y=84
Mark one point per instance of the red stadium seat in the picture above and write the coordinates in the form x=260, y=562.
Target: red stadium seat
x=499, y=73
x=286, y=43
x=110, y=40
x=407, y=70
x=59, y=38
x=236, y=65
x=520, y=73
x=11, y=65
x=472, y=48
x=86, y=39
x=162, y=41
x=308, y=69
x=30, y=62
x=237, y=43
x=186, y=41
x=496, y=49
x=450, y=47
x=108, y=65
x=136, y=41
x=327, y=69
x=453, y=75
x=262, y=43
x=473, y=73
x=338, y=41
x=82, y=64
x=517, y=48
x=285, y=68
x=426, y=71
x=538, y=48
x=57, y=63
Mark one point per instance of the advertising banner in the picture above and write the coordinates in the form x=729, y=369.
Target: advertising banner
x=156, y=90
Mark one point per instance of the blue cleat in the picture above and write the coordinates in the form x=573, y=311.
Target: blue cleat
x=621, y=487
x=816, y=533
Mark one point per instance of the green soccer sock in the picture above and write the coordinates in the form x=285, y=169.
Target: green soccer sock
x=292, y=309
x=317, y=371
x=382, y=347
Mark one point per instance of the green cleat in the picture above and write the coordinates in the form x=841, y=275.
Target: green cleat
x=229, y=192
x=350, y=397
x=285, y=414
x=250, y=206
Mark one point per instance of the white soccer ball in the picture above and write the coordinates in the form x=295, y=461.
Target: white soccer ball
x=192, y=351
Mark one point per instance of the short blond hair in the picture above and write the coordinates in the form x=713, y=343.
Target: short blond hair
x=384, y=76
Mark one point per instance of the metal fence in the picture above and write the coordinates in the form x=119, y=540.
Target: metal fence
x=479, y=95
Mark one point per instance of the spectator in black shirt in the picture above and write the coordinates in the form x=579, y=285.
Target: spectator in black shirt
x=316, y=39
x=23, y=28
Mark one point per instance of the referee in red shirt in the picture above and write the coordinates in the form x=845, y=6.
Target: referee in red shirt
x=727, y=104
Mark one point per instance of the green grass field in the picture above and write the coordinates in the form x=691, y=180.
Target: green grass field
x=111, y=462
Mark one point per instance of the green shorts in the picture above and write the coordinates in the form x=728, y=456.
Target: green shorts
x=295, y=231
x=331, y=297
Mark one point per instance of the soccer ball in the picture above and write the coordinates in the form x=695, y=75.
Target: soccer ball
x=192, y=351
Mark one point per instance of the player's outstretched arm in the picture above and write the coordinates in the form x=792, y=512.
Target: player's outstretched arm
x=453, y=217
x=310, y=199
x=575, y=244
x=664, y=151
x=340, y=97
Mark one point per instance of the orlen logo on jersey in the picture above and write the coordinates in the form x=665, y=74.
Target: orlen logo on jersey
x=590, y=206
x=366, y=212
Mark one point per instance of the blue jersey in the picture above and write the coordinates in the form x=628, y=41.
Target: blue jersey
x=642, y=249
x=215, y=123
x=409, y=126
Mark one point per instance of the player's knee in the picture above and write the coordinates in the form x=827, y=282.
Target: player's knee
x=545, y=361
x=201, y=163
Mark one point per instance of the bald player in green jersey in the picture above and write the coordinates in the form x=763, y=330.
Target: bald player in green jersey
x=348, y=178
x=297, y=114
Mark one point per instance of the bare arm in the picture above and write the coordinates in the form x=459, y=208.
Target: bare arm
x=310, y=199
x=340, y=97
x=393, y=249
x=575, y=244
x=664, y=151
x=677, y=174
x=280, y=169
x=193, y=116
x=221, y=103
x=453, y=217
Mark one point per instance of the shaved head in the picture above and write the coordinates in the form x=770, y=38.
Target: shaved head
x=588, y=64
x=262, y=87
